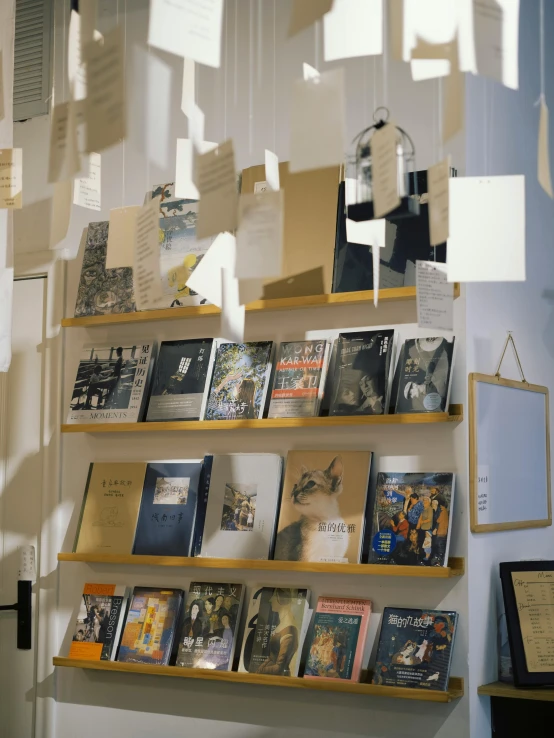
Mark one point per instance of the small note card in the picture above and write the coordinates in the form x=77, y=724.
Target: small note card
x=146, y=272
x=217, y=185
x=435, y=296
x=11, y=179
x=385, y=171
x=260, y=235
x=437, y=184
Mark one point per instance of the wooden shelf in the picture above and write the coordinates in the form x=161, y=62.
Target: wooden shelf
x=455, y=568
x=284, y=303
x=502, y=689
x=455, y=685
x=455, y=415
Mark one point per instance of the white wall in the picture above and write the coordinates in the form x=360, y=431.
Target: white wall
x=501, y=131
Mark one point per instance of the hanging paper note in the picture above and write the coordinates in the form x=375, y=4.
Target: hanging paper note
x=188, y=94
x=309, y=72
x=306, y=12
x=353, y=28
x=64, y=160
x=454, y=103
x=61, y=212
x=543, y=157
x=190, y=28
x=317, y=128
x=217, y=185
x=221, y=254
x=367, y=232
x=105, y=102
x=184, y=167
x=232, y=312
x=484, y=247
x=496, y=25
x=260, y=235
x=272, y=170
x=430, y=60
x=250, y=290
x=435, y=296
x=438, y=178
x=87, y=190
x=120, y=251
x=385, y=170
x=6, y=303
x=146, y=273
x=11, y=179
x=88, y=13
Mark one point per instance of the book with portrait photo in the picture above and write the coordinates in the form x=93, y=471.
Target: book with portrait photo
x=412, y=518
x=239, y=381
x=99, y=622
x=112, y=383
x=322, y=514
x=299, y=380
x=424, y=375
x=242, y=506
x=166, y=521
x=361, y=381
x=209, y=633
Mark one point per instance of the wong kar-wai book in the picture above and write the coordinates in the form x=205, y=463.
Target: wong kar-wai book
x=239, y=381
x=150, y=626
x=361, y=381
x=415, y=648
x=166, y=521
x=181, y=379
x=323, y=504
x=110, y=508
x=338, y=639
x=112, y=383
x=412, y=518
x=242, y=506
x=209, y=633
x=424, y=375
x=102, y=291
x=99, y=622
x=299, y=379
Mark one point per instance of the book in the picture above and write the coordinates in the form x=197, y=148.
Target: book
x=102, y=291
x=150, y=627
x=168, y=508
x=249, y=635
x=322, y=514
x=239, y=381
x=338, y=639
x=412, y=518
x=299, y=380
x=242, y=506
x=112, y=383
x=209, y=632
x=110, y=508
x=181, y=379
x=424, y=375
x=361, y=380
x=276, y=645
x=180, y=251
x=202, y=505
x=415, y=648
x=99, y=622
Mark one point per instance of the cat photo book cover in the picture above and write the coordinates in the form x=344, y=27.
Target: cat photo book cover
x=323, y=506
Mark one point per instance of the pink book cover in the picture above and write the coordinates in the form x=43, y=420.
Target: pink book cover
x=338, y=639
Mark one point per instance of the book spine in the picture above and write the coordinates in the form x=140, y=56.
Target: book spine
x=389, y=370
x=367, y=521
x=202, y=506
x=323, y=377
x=266, y=382
x=335, y=379
x=148, y=384
x=208, y=382
x=76, y=543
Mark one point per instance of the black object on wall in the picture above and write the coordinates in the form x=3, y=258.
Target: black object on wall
x=24, y=611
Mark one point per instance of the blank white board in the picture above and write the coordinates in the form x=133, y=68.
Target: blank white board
x=509, y=454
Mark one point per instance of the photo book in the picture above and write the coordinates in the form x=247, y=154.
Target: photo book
x=112, y=383
x=299, y=380
x=423, y=375
x=99, y=622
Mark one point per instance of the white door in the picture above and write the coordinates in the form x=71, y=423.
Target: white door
x=20, y=497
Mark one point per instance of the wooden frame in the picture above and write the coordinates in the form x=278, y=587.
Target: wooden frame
x=474, y=380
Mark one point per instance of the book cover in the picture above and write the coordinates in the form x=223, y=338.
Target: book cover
x=239, y=381
x=150, y=626
x=412, y=518
x=102, y=291
x=249, y=635
x=242, y=506
x=110, y=508
x=209, y=632
x=180, y=380
x=202, y=505
x=338, y=639
x=362, y=371
x=277, y=642
x=415, y=648
x=168, y=508
x=424, y=375
x=99, y=622
x=299, y=379
x=112, y=383
x=180, y=251
x=323, y=504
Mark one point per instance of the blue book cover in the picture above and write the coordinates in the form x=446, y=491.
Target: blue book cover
x=168, y=508
x=415, y=648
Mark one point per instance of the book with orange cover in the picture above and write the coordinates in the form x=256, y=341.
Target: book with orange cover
x=99, y=622
x=299, y=379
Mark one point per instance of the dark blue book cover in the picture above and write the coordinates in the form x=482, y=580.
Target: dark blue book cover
x=168, y=508
x=415, y=648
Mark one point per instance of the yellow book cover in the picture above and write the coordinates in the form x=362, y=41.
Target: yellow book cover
x=323, y=506
x=110, y=508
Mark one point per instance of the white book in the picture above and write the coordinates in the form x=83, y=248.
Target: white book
x=242, y=506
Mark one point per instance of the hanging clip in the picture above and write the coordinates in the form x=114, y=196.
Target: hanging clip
x=510, y=339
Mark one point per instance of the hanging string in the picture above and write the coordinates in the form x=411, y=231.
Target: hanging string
x=541, y=47
x=374, y=86
x=236, y=69
x=226, y=57
x=251, y=79
x=485, y=125
x=274, y=81
x=125, y=87
x=64, y=55
x=439, y=118
x=260, y=39
x=316, y=38
x=385, y=72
